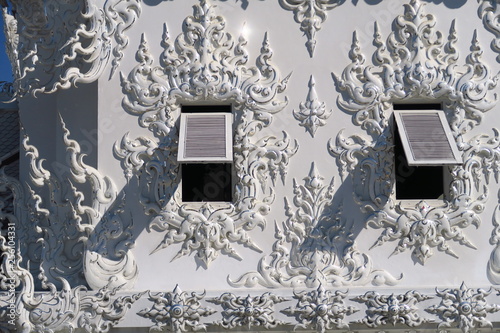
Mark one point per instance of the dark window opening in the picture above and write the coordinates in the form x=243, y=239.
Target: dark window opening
x=429, y=106
x=207, y=182
x=416, y=182
x=205, y=108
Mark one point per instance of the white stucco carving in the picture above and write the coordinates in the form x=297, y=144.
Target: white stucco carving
x=494, y=260
x=489, y=11
x=463, y=307
x=63, y=309
x=310, y=14
x=205, y=64
x=315, y=246
x=75, y=52
x=177, y=310
x=321, y=309
x=248, y=311
x=416, y=65
x=78, y=256
x=312, y=113
x=392, y=309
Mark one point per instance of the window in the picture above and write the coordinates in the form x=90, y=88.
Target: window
x=206, y=152
x=424, y=145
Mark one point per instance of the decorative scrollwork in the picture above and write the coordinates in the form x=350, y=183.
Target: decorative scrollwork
x=321, y=309
x=177, y=310
x=465, y=307
x=248, y=311
x=204, y=63
x=415, y=62
x=392, y=309
x=322, y=251
x=57, y=310
x=72, y=248
x=310, y=14
x=77, y=51
x=489, y=11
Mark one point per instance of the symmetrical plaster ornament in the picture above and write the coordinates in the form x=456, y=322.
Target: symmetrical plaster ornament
x=321, y=309
x=56, y=310
x=464, y=308
x=77, y=51
x=205, y=64
x=249, y=311
x=316, y=247
x=312, y=113
x=392, y=309
x=310, y=14
x=71, y=233
x=176, y=310
x=489, y=11
x=415, y=62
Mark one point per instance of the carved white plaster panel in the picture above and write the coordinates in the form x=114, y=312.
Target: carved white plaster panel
x=321, y=309
x=494, y=260
x=248, y=311
x=315, y=246
x=408, y=66
x=312, y=113
x=464, y=307
x=392, y=309
x=80, y=243
x=75, y=52
x=56, y=310
x=310, y=14
x=489, y=11
x=205, y=64
x=177, y=310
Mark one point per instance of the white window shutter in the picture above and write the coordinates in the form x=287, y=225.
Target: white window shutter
x=426, y=137
x=205, y=137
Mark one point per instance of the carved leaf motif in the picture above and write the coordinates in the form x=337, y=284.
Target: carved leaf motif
x=176, y=310
x=489, y=11
x=205, y=63
x=310, y=14
x=248, y=311
x=312, y=113
x=321, y=309
x=392, y=309
x=74, y=52
x=415, y=62
x=315, y=247
x=464, y=308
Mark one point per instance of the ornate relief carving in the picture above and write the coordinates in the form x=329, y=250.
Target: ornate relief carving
x=465, y=307
x=205, y=64
x=11, y=40
x=177, y=310
x=310, y=14
x=72, y=233
x=322, y=250
x=66, y=309
x=312, y=113
x=416, y=63
x=75, y=52
x=392, y=309
x=494, y=261
x=248, y=311
x=321, y=309
x=489, y=11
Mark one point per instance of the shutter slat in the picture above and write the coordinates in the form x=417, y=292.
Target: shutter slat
x=426, y=138
x=205, y=137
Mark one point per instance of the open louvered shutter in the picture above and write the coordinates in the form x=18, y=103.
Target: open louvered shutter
x=426, y=138
x=205, y=137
